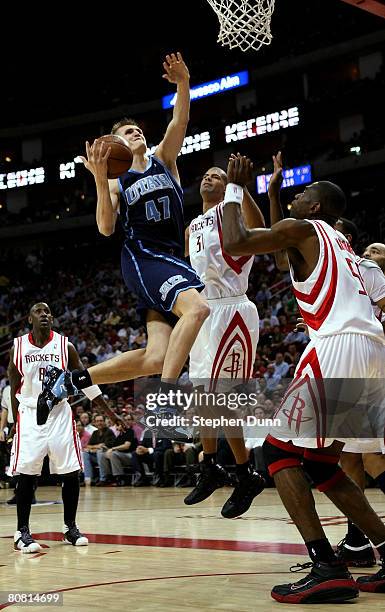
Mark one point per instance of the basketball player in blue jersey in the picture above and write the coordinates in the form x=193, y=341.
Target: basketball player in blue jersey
x=148, y=199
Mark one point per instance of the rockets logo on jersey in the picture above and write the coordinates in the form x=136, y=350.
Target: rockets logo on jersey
x=31, y=361
x=223, y=275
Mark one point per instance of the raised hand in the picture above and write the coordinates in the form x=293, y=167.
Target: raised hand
x=239, y=170
x=276, y=178
x=175, y=68
x=96, y=160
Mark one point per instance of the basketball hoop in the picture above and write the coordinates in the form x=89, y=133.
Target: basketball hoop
x=244, y=23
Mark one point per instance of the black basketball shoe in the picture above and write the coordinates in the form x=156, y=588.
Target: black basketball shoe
x=361, y=556
x=24, y=542
x=72, y=535
x=212, y=477
x=374, y=583
x=57, y=386
x=326, y=583
x=247, y=487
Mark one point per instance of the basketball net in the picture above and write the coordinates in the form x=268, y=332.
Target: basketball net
x=244, y=23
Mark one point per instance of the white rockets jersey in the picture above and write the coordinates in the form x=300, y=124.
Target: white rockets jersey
x=223, y=275
x=333, y=300
x=374, y=281
x=32, y=360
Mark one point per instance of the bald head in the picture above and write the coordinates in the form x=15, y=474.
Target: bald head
x=213, y=187
x=320, y=199
x=330, y=196
x=376, y=252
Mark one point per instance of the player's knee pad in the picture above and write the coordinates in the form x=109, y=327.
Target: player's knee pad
x=323, y=469
x=279, y=455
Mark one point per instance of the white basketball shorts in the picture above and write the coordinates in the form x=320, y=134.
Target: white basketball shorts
x=337, y=394
x=57, y=438
x=226, y=344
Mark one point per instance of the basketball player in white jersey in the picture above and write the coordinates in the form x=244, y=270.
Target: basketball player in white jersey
x=345, y=344
x=57, y=437
x=227, y=342
x=357, y=456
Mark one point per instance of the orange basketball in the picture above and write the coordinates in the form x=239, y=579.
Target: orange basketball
x=120, y=158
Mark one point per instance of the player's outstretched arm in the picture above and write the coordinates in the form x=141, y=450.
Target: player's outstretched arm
x=107, y=190
x=238, y=240
x=276, y=212
x=168, y=150
x=93, y=393
x=251, y=212
x=14, y=377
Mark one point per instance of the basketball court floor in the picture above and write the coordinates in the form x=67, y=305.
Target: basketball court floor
x=150, y=552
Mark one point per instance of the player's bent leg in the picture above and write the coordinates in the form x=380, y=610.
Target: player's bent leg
x=59, y=384
x=192, y=310
x=329, y=579
x=70, y=496
x=23, y=540
x=355, y=548
x=140, y=362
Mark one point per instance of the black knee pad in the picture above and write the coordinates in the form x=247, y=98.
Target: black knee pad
x=322, y=469
x=279, y=455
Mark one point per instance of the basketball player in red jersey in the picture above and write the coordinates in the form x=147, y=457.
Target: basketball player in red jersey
x=345, y=343
x=57, y=437
x=232, y=329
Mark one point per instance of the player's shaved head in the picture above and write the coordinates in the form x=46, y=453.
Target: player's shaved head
x=331, y=198
x=212, y=188
x=39, y=306
x=376, y=252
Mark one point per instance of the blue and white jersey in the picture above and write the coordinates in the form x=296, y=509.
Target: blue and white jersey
x=151, y=208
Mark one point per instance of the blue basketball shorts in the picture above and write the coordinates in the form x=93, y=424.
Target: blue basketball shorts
x=156, y=278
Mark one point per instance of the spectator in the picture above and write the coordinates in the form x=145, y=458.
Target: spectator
x=116, y=458
x=292, y=354
x=149, y=453
x=100, y=441
x=281, y=367
x=130, y=422
x=179, y=455
x=297, y=337
x=84, y=436
x=86, y=422
x=272, y=379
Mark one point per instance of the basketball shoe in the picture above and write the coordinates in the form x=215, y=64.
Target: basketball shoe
x=374, y=583
x=72, y=535
x=57, y=385
x=326, y=583
x=23, y=541
x=248, y=486
x=356, y=556
x=211, y=478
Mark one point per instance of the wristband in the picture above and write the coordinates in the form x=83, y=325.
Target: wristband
x=92, y=392
x=233, y=193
